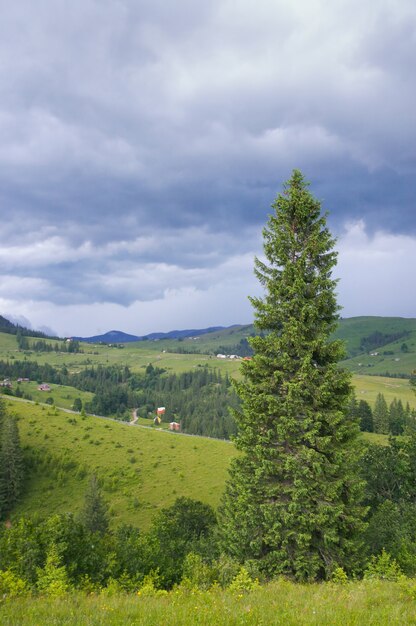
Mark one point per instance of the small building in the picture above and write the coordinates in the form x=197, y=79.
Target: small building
x=161, y=411
x=174, y=426
x=6, y=383
x=44, y=387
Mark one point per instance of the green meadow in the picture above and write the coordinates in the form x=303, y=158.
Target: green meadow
x=62, y=395
x=367, y=388
x=364, y=603
x=141, y=469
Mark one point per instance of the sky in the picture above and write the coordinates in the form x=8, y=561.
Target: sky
x=143, y=142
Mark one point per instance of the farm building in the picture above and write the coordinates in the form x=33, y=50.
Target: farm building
x=174, y=426
x=44, y=387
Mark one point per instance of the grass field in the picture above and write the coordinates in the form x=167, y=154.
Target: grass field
x=135, y=355
x=141, y=469
x=367, y=388
x=62, y=395
x=280, y=603
x=164, y=353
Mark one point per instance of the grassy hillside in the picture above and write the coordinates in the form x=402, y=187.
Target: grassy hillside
x=353, y=329
x=62, y=395
x=141, y=470
x=168, y=353
x=367, y=388
x=135, y=355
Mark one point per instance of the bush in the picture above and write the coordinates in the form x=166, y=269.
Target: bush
x=339, y=576
x=243, y=582
x=53, y=578
x=149, y=587
x=11, y=585
x=383, y=567
x=196, y=573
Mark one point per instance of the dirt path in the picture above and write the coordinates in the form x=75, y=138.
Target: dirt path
x=135, y=418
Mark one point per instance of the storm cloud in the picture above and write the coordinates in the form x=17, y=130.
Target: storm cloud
x=143, y=143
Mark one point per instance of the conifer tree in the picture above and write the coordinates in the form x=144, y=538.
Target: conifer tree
x=94, y=515
x=11, y=464
x=381, y=415
x=365, y=416
x=397, y=417
x=292, y=502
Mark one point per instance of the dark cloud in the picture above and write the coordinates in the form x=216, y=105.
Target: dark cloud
x=143, y=143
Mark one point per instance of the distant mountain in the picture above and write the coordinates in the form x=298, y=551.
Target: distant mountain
x=118, y=336
x=183, y=334
x=113, y=336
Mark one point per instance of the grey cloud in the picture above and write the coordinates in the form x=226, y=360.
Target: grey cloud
x=134, y=135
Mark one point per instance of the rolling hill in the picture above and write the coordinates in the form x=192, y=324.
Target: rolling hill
x=141, y=470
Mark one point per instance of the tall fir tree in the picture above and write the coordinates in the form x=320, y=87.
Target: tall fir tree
x=397, y=417
x=381, y=415
x=292, y=501
x=365, y=415
x=11, y=464
x=94, y=515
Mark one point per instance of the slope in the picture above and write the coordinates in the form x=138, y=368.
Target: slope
x=141, y=470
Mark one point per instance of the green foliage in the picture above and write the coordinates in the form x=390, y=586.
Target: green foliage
x=389, y=472
x=186, y=520
x=381, y=415
x=11, y=585
x=94, y=515
x=243, y=582
x=397, y=417
x=77, y=406
x=53, y=578
x=339, y=576
x=150, y=586
x=11, y=464
x=292, y=500
x=196, y=573
x=408, y=586
x=377, y=339
x=365, y=415
x=184, y=527
x=383, y=567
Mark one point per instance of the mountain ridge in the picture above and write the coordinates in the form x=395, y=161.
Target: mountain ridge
x=118, y=336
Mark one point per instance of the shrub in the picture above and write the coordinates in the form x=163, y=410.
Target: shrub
x=149, y=586
x=383, y=567
x=243, y=582
x=11, y=585
x=53, y=578
x=196, y=573
x=339, y=576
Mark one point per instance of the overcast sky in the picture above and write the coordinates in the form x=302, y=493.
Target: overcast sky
x=142, y=144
